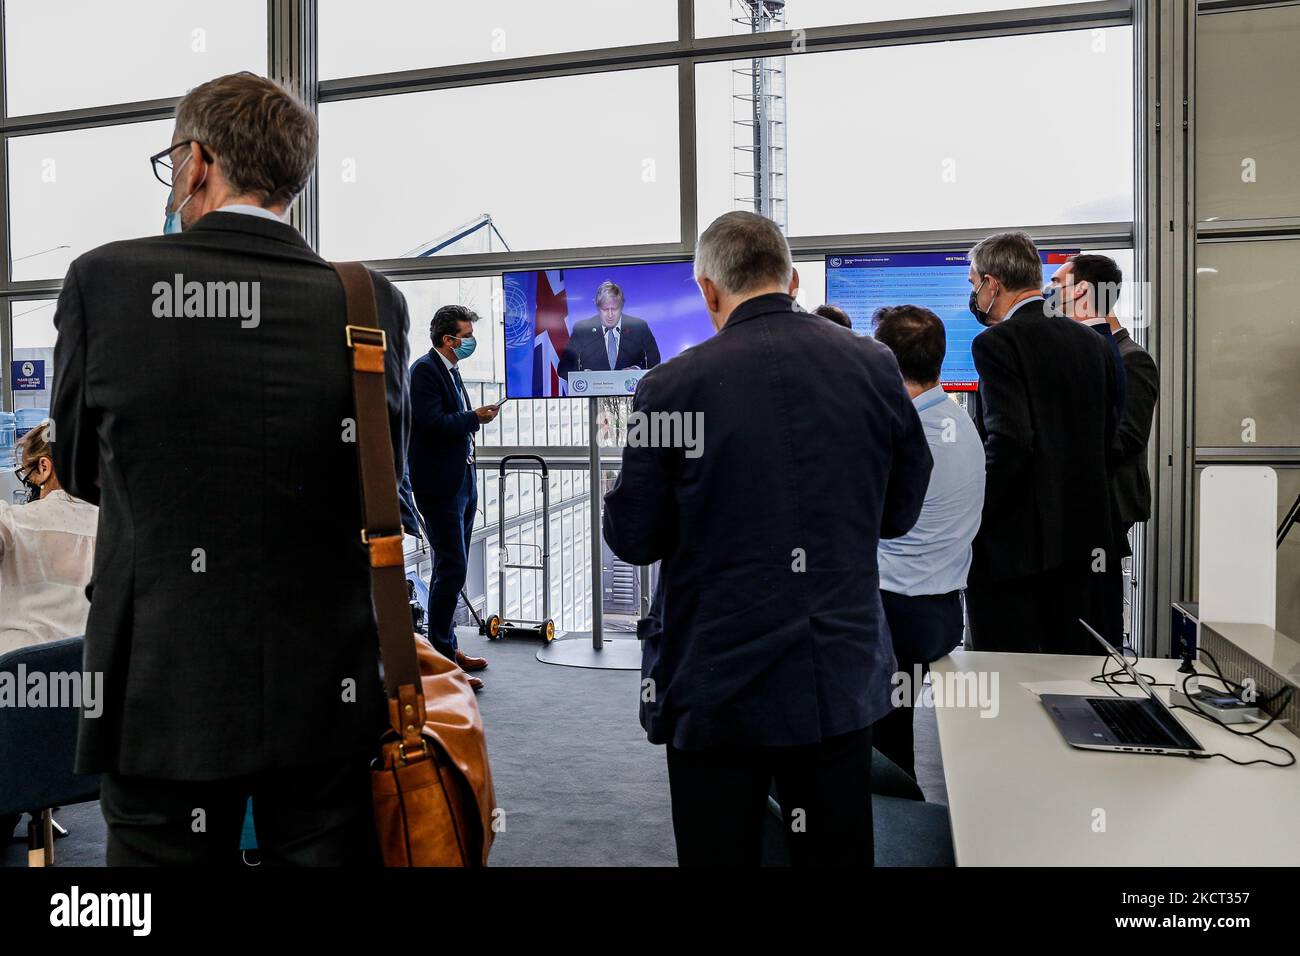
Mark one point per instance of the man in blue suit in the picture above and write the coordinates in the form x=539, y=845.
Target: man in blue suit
x=440, y=460
x=766, y=655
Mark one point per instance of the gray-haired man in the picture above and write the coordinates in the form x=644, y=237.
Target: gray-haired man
x=766, y=653
x=1046, y=411
x=231, y=613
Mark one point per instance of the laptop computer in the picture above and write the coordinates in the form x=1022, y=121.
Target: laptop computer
x=1128, y=724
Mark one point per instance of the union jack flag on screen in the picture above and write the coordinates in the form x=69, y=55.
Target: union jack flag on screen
x=550, y=333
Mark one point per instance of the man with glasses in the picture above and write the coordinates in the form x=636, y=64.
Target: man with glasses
x=230, y=605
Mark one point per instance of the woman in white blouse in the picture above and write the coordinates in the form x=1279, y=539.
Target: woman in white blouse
x=47, y=550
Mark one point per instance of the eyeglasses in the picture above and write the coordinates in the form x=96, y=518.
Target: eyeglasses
x=161, y=161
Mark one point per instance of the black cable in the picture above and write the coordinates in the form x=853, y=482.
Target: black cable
x=1107, y=678
x=1264, y=703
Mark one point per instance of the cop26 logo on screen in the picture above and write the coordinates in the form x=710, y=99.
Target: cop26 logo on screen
x=579, y=385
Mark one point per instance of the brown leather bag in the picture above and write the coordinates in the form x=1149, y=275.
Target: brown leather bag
x=431, y=782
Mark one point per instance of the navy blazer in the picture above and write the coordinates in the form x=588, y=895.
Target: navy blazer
x=767, y=627
x=586, y=349
x=440, y=432
x=1046, y=409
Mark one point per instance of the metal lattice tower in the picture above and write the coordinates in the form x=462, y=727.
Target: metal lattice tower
x=758, y=129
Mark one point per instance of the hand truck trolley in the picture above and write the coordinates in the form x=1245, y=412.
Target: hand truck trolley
x=496, y=626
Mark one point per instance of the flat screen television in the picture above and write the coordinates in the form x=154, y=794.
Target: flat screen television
x=563, y=326
x=861, y=283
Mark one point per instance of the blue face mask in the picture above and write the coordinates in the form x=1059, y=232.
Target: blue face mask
x=466, y=348
x=1055, y=303
x=172, y=221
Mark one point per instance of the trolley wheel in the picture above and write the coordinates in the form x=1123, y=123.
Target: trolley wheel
x=493, y=625
x=547, y=630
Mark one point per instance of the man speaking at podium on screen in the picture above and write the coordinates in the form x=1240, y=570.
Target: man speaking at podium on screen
x=609, y=340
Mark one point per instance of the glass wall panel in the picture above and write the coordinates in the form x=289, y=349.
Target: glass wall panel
x=1247, y=137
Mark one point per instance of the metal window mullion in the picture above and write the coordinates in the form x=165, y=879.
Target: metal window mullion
x=1207, y=7
x=1250, y=230
x=292, y=55
x=1171, y=244
x=687, y=183
x=6, y=269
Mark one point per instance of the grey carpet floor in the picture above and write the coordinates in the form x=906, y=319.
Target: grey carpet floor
x=575, y=778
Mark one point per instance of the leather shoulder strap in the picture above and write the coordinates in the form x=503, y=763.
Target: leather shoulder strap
x=382, y=533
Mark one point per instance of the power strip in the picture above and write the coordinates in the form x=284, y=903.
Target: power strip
x=1222, y=707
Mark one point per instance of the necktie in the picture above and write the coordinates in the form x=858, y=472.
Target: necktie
x=462, y=397
x=611, y=345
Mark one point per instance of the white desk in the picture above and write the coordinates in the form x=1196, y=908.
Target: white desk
x=1019, y=795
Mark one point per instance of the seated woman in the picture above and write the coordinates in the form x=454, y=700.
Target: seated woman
x=47, y=549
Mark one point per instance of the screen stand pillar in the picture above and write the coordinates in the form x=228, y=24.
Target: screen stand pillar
x=623, y=654
x=597, y=538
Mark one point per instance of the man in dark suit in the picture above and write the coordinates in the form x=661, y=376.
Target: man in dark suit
x=610, y=339
x=203, y=399
x=766, y=654
x=441, y=462
x=1067, y=298
x=1045, y=409
x=1090, y=287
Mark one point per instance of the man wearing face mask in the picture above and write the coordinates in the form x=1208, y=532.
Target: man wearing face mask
x=1046, y=412
x=203, y=390
x=441, y=461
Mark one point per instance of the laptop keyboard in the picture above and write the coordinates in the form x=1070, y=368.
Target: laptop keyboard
x=1131, y=722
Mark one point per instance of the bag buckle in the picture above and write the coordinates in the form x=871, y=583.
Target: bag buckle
x=385, y=548
x=424, y=749
x=368, y=332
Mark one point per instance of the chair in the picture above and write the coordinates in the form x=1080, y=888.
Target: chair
x=38, y=746
x=908, y=830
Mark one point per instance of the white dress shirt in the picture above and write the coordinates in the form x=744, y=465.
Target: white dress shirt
x=248, y=209
x=1021, y=304
x=47, y=551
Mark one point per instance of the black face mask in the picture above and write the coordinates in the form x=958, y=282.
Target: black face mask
x=982, y=317
x=33, y=489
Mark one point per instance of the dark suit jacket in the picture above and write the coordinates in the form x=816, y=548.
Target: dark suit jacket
x=1046, y=411
x=1121, y=377
x=767, y=626
x=440, y=431
x=586, y=348
x=1130, y=480
x=230, y=602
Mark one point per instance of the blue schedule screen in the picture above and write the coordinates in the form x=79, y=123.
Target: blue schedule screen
x=860, y=284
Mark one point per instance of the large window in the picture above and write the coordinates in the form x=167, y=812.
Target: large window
x=31, y=330
x=726, y=17
x=71, y=191
x=554, y=163
x=72, y=54
x=927, y=137
x=383, y=36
